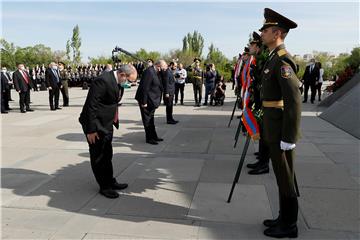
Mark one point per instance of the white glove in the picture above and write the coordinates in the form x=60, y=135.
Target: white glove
x=287, y=146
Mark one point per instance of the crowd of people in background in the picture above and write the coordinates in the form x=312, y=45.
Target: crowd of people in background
x=56, y=78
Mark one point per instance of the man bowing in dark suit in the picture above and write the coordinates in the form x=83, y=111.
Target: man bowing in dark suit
x=97, y=118
x=148, y=96
x=23, y=84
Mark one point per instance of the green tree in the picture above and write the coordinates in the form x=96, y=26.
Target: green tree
x=68, y=50
x=7, y=54
x=100, y=60
x=193, y=42
x=76, y=44
x=354, y=59
x=222, y=64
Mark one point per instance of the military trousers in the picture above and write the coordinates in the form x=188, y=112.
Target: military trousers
x=65, y=92
x=197, y=93
x=282, y=162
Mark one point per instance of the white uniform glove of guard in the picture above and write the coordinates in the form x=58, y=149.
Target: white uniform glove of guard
x=287, y=146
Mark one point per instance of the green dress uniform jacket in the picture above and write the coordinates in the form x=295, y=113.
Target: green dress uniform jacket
x=280, y=83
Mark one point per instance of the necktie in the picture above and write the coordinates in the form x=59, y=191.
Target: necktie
x=56, y=75
x=25, y=76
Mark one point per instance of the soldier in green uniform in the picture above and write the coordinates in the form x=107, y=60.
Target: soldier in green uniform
x=260, y=53
x=281, y=103
x=198, y=81
x=64, y=78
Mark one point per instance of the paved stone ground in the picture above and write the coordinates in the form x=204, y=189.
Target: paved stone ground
x=178, y=189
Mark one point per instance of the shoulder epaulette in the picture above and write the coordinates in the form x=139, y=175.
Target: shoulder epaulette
x=281, y=52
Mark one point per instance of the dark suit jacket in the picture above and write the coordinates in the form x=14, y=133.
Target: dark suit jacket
x=50, y=79
x=101, y=104
x=20, y=83
x=5, y=81
x=311, y=77
x=168, y=82
x=150, y=89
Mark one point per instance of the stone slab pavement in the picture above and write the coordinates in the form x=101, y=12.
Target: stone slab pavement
x=178, y=189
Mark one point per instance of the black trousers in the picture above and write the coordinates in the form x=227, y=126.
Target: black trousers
x=24, y=100
x=147, y=116
x=9, y=94
x=101, y=153
x=313, y=92
x=65, y=92
x=54, y=98
x=169, y=107
x=197, y=93
x=35, y=84
x=4, y=101
x=312, y=87
x=179, y=87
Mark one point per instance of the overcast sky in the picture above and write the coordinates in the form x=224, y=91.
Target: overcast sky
x=160, y=26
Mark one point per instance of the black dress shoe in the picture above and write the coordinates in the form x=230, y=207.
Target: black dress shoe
x=152, y=142
x=53, y=109
x=23, y=111
x=253, y=165
x=280, y=231
x=4, y=112
x=271, y=222
x=172, y=122
x=119, y=186
x=109, y=193
x=58, y=108
x=304, y=101
x=259, y=170
x=29, y=110
x=159, y=139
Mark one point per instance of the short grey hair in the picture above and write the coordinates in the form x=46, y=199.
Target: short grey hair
x=160, y=62
x=128, y=69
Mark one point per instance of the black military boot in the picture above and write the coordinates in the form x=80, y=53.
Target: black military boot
x=253, y=165
x=286, y=227
x=271, y=222
x=282, y=231
x=260, y=169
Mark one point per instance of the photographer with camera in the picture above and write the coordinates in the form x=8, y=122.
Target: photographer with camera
x=219, y=92
x=180, y=77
